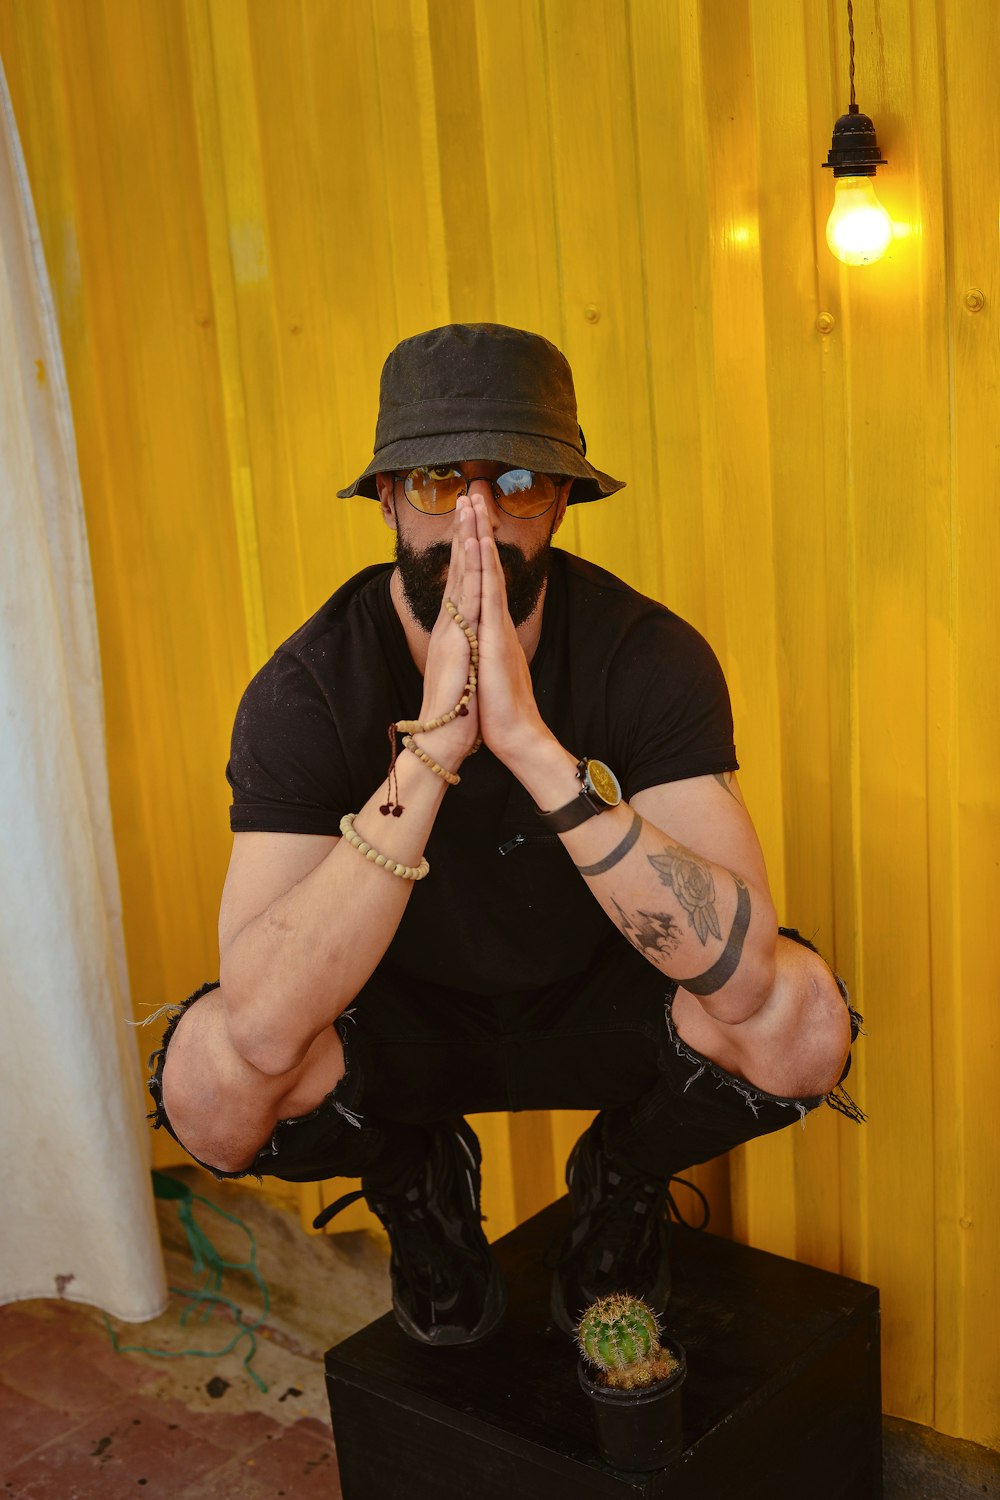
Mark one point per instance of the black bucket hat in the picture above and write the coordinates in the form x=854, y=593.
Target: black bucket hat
x=481, y=391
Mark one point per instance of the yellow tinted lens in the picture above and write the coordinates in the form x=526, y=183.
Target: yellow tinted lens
x=433, y=490
x=522, y=492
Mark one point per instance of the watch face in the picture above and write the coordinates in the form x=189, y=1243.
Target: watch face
x=604, y=782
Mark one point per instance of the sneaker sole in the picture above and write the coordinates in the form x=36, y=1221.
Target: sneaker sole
x=445, y=1337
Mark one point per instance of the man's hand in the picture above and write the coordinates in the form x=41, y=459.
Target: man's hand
x=448, y=655
x=508, y=714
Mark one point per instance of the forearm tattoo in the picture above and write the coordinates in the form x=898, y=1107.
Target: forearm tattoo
x=726, y=964
x=618, y=852
x=691, y=881
x=655, y=934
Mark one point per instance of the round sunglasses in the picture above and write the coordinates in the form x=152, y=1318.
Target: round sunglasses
x=518, y=492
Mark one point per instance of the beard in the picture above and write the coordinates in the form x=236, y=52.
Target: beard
x=423, y=576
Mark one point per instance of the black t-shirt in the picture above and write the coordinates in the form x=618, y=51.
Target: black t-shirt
x=616, y=676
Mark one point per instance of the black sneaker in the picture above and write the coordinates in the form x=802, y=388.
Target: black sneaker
x=446, y=1286
x=618, y=1242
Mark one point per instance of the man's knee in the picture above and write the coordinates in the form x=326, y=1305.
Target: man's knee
x=796, y=1046
x=218, y=1105
x=207, y=1093
x=823, y=1036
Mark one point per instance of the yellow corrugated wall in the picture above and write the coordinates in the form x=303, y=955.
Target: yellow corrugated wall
x=245, y=203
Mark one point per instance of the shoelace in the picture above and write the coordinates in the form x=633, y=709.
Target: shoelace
x=666, y=1207
x=674, y=1211
x=397, y=1216
x=332, y=1209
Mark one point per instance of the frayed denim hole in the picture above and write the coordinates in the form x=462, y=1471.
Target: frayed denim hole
x=837, y=1099
x=154, y=1083
x=753, y=1097
x=350, y=1084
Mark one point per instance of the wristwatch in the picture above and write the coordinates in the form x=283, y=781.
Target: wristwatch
x=600, y=790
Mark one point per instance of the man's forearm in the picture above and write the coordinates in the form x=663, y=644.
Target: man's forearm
x=296, y=964
x=291, y=970
x=700, y=923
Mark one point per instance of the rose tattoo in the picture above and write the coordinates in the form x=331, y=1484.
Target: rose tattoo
x=692, y=884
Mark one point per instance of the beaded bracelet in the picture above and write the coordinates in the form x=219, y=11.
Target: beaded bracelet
x=405, y=872
x=409, y=727
x=409, y=743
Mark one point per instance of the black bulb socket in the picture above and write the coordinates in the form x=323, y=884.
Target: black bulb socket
x=854, y=151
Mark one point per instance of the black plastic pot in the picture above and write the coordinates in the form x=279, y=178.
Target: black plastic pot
x=639, y=1430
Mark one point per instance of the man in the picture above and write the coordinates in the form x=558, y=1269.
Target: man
x=568, y=948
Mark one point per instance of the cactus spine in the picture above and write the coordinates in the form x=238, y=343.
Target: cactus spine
x=620, y=1336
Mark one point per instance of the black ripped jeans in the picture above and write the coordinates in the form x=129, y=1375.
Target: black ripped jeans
x=605, y=1040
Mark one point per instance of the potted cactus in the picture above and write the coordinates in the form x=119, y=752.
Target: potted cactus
x=632, y=1377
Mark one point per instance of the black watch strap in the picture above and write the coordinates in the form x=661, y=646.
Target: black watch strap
x=588, y=803
x=564, y=818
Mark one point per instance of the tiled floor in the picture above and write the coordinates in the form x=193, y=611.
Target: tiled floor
x=79, y=1421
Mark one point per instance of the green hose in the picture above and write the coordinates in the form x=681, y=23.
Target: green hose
x=206, y=1297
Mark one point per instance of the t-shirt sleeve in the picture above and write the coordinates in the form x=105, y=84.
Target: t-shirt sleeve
x=286, y=764
x=668, y=691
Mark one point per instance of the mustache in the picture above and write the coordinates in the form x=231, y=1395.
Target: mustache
x=437, y=556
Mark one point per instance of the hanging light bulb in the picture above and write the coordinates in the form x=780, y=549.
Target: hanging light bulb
x=859, y=229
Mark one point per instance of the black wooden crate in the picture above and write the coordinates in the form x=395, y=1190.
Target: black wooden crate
x=782, y=1399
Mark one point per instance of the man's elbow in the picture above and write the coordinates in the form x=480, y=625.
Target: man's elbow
x=258, y=1022
x=258, y=1041
x=737, y=987
x=748, y=991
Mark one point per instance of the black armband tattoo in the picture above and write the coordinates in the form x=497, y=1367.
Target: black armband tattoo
x=618, y=852
x=726, y=964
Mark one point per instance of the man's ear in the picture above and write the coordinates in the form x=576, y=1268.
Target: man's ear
x=386, y=499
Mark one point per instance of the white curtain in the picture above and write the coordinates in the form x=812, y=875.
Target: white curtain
x=78, y=1217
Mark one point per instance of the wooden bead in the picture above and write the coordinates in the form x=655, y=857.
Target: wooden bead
x=450, y=776
x=414, y=726
x=406, y=872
